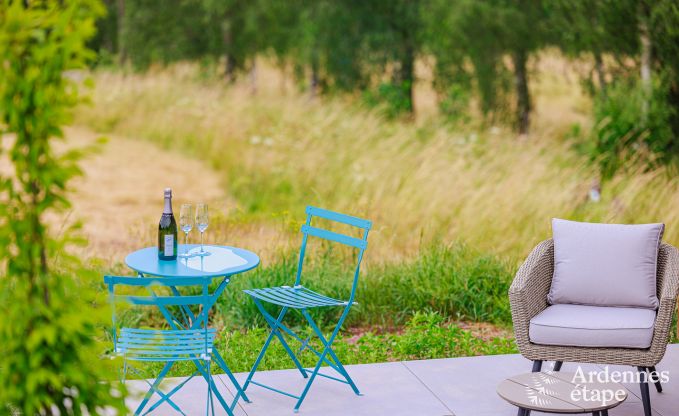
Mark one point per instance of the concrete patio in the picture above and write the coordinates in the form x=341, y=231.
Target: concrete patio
x=454, y=386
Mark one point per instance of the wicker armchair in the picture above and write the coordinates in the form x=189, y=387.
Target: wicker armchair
x=528, y=297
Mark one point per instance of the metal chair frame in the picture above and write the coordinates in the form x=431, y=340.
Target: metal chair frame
x=301, y=298
x=190, y=338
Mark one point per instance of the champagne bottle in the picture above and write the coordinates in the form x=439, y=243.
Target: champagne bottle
x=167, y=231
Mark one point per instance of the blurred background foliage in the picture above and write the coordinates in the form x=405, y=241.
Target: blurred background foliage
x=480, y=49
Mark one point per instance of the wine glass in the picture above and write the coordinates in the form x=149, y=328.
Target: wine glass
x=186, y=223
x=202, y=220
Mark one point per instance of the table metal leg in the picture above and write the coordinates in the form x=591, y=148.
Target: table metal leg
x=188, y=316
x=222, y=364
x=208, y=378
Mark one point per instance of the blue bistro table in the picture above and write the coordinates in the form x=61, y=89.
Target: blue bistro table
x=222, y=263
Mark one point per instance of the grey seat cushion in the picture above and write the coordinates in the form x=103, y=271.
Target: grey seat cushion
x=593, y=326
x=605, y=264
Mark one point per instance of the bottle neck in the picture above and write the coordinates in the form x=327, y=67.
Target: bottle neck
x=168, y=205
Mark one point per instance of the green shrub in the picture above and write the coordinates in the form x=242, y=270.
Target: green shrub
x=632, y=124
x=51, y=358
x=454, y=280
x=50, y=363
x=454, y=103
x=429, y=336
x=393, y=99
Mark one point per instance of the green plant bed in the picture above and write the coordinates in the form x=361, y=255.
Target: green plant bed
x=425, y=336
x=453, y=280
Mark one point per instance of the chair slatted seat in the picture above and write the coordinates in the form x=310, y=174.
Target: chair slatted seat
x=164, y=345
x=298, y=297
x=301, y=299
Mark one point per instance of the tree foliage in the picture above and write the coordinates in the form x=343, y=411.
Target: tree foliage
x=50, y=363
x=482, y=52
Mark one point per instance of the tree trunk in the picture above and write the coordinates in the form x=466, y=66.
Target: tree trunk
x=253, y=77
x=645, y=42
x=230, y=69
x=407, y=76
x=122, y=50
x=600, y=73
x=110, y=31
x=283, y=65
x=314, y=81
x=523, y=104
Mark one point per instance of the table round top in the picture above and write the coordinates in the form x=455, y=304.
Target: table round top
x=222, y=261
x=560, y=392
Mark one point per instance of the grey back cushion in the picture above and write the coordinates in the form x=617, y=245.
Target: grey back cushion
x=605, y=264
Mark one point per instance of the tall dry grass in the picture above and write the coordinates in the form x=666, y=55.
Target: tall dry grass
x=420, y=182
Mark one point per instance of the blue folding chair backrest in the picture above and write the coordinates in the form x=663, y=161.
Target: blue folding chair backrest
x=359, y=243
x=163, y=302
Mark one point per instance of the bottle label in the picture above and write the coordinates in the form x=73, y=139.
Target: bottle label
x=168, y=249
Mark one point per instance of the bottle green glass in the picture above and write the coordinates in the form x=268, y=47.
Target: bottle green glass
x=167, y=231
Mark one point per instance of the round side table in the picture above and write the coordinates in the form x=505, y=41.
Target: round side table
x=558, y=392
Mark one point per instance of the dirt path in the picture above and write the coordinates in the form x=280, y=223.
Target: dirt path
x=119, y=198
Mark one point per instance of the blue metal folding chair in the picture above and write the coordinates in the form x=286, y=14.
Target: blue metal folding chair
x=193, y=344
x=302, y=299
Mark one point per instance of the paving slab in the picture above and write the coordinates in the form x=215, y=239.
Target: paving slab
x=445, y=387
x=468, y=385
x=387, y=388
x=192, y=397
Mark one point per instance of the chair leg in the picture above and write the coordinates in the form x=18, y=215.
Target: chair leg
x=215, y=393
x=221, y=363
x=276, y=325
x=340, y=367
x=557, y=365
x=209, y=390
x=166, y=397
x=262, y=352
x=123, y=379
x=327, y=347
x=537, y=366
x=155, y=385
x=645, y=394
x=653, y=373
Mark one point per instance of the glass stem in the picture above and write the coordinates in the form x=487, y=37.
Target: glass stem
x=201, y=242
x=186, y=242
